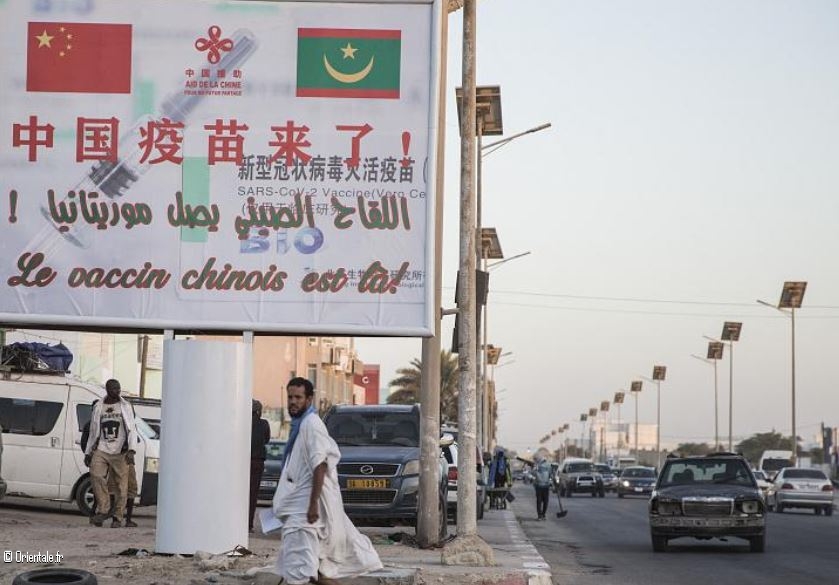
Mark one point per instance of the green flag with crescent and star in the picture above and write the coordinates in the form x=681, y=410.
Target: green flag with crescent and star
x=355, y=63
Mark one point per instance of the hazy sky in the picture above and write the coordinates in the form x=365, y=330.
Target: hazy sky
x=692, y=167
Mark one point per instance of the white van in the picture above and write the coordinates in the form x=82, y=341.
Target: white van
x=42, y=417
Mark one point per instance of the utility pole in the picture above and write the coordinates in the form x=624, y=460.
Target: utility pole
x=468, y=548
x=466, y=512
x=144, y=358
x=428, y=520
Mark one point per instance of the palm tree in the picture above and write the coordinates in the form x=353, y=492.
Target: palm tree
x=406, y=386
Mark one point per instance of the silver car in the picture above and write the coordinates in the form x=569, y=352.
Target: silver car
x=801, y=488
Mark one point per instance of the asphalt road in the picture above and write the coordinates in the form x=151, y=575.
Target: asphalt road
x=607, y=541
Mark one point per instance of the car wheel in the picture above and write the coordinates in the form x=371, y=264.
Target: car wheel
x=779, y=508
x=828, y=511
x=481, y=510
x=757, y=544
x=659, y=543
x=84, y=497
x=817, y=511
x=444, y=520
x=594, y=494
x=568, y=492
x=620, y=495
x=55, y=575
x=602, y=493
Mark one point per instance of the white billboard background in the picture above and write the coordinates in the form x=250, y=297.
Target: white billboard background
x=164, y=33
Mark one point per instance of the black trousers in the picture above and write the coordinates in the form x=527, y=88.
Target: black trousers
x=542, y=495
x=257, y=465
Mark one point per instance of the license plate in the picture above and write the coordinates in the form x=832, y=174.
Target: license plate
x=639, y=489
x=267, y=484
x=367, y=484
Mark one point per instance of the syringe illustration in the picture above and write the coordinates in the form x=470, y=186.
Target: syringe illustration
x=114, y=179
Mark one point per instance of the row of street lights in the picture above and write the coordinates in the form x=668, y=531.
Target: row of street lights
x=792, y=296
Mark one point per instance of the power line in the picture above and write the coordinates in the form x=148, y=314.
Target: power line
x=658, y=313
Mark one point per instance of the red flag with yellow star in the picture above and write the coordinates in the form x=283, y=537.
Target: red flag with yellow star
x=78, y=57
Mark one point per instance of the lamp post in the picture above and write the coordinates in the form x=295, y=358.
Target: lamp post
x=659, y=373
x=731, y=333
x=583, y=419
x=604, y=407
x=715, y=350
x=618, y=400
x=592, y=418
x=635, y=389
x=489, y=249
x=791, y=297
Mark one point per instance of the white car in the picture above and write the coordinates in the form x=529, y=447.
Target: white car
x=450, y=453
x=762, y=481
x=801, y=488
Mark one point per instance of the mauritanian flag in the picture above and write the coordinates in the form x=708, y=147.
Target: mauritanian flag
x=348, y=62
x=78, y=57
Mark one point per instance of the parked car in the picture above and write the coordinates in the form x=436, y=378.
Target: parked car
x=801, y=488
x=380, y=463
x=715, y=496
x=42, y=416
x=636, y=481
x=450, y=452
x=577, y=475
x=610, y=478
x=274, y=456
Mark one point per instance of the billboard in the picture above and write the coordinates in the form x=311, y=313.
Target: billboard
x=205, y=165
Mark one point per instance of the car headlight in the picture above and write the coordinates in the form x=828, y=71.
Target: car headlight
x=412, y=467
x=625, y=483
x=152, y=465
x=750, y=507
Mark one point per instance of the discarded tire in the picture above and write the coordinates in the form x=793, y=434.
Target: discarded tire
x=56, y=575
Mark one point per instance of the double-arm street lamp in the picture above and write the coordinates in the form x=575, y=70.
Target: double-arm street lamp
x=791, y=297
x=730, y=333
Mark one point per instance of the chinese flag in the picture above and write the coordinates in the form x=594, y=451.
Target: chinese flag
x=78, y=57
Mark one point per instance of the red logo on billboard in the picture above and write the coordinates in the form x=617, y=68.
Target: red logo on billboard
x=214, y=45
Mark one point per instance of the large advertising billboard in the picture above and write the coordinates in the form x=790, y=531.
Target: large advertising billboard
x=203, y=165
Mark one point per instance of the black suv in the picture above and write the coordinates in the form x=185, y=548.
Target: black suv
x=380, y=463
x=707, y=497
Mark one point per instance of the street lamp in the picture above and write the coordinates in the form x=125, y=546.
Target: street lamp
x=604, y=407
x=730, y=333
x=715, y=350
x=791, y=297
x=583, y=419
x=659, y=373
x=618, y=400
x=635, y=389
x=592, y=418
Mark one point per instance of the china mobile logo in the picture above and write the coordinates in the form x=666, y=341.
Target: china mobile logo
x=214, y=45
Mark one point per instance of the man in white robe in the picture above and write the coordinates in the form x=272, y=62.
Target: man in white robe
x=319, y=542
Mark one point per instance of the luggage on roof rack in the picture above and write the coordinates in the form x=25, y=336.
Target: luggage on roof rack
x=34, y=357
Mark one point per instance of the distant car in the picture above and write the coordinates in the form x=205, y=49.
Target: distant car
x=610, y=478
x=380, y=463
x=801, y=488
x=275, y=454
x=577, y=475
x=715, y=496
x=636, y=481
x=762, y=481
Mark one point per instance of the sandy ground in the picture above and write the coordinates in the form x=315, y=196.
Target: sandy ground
x=84, y=546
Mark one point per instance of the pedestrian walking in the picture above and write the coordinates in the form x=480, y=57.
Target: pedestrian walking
x=260, y=435
x=110, y=450
x=319, y=543
x=542, y=483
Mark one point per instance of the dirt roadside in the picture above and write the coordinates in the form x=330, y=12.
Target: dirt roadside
x=84, y=546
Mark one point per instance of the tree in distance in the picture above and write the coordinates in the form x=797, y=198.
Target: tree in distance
x=405, y=387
